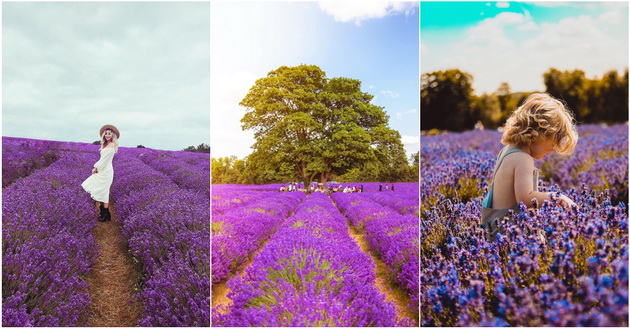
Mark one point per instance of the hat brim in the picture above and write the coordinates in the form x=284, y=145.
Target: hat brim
x=110, y=127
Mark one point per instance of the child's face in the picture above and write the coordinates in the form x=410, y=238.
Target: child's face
x=539, y=150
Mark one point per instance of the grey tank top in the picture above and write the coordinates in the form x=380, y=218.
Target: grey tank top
x=489, y=215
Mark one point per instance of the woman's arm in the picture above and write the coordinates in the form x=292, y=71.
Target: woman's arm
x=106, y=156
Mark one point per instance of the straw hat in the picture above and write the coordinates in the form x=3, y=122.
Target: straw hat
x=110, y=127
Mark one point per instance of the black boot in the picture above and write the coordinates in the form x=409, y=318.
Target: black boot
x=101, y=217
x=108, y=215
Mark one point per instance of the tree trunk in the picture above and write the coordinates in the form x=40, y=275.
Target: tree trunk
x=323, y=178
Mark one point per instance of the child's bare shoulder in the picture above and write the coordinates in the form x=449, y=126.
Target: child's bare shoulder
x=520, y=159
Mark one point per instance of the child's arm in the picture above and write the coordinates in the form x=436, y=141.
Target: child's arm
x=523, y=184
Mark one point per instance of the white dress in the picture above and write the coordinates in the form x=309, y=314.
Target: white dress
x=98, y=184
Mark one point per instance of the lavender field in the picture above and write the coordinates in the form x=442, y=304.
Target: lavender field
x=289, y=259
x=577, y=275
x=160, y=200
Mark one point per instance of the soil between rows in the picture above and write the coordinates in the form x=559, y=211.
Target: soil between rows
x=113, y=280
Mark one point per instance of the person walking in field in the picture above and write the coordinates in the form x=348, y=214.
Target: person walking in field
x=99, y=182
x=541, y=125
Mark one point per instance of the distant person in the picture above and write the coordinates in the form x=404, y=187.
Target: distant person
x=361, y=189
x=99, y=183
x=539, y=126
x=380, y=187
x=479, y=125
x=392, y=187
x=386, y=188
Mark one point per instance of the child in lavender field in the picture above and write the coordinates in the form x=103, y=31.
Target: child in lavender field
x=539, y=126
x=100, y=181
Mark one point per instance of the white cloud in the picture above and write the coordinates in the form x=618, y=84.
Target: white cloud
x=389, y=93
x=612, y=17
x=512, y=47
x=358, y=11
x=411, y=144
x=502, y=4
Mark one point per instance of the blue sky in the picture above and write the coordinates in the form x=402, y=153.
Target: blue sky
x=376, y=43
x=517, y=42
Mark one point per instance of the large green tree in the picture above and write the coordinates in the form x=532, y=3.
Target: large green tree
x=311, y=126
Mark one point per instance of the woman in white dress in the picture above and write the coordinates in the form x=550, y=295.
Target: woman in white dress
x=103, y=172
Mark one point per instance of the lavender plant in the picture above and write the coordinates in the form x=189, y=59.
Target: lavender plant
x=168, y=229
x=310, y=273
x=47, y=246
x=552, y=267
x=241, y=231
x=392, y=236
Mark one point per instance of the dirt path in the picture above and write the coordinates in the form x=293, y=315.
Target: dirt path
x=113, y=280
x=384, y=283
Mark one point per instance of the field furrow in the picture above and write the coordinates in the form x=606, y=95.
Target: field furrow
x=113, y=280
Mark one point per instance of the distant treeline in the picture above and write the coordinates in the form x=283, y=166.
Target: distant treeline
x=231, y=170
x=447, y=101
x=201, y=148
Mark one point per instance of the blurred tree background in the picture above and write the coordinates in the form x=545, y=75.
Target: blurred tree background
x=448, y=102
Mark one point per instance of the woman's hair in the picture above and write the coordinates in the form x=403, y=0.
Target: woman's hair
x=540, y=118
x=114, y=139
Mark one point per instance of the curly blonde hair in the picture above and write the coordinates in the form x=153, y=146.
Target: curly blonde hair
x=540, y=118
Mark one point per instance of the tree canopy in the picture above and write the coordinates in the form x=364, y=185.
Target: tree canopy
x=446, y=99
x=308, y=127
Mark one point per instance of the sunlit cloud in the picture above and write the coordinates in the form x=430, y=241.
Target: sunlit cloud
x=359, y=11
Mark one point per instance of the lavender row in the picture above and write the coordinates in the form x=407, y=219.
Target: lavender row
x=186, y=175
x=21, y=157
x=48, y=246
x=168, y=230
x=240, y=231
x=404, y=203
x=310, y=273
x=227, y=197
x=392, y=236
